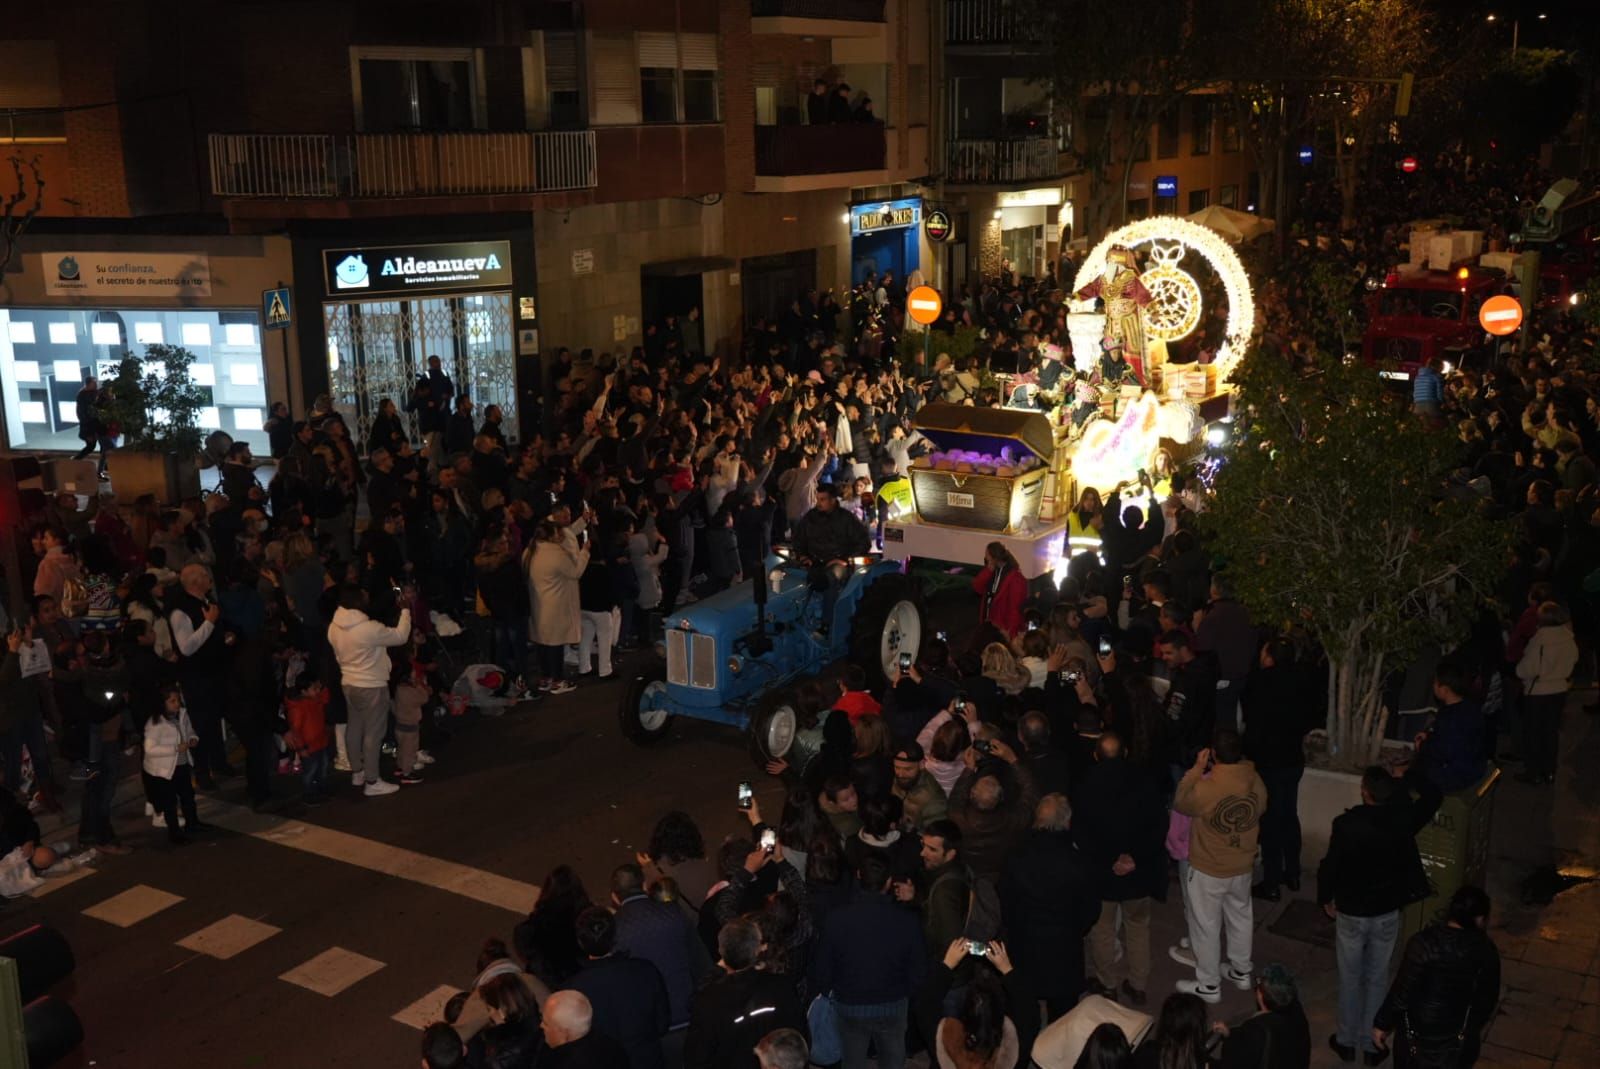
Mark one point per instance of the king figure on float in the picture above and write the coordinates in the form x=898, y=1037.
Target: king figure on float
x=1124, y=294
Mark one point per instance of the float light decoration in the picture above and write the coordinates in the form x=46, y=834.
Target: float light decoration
x=1216, y=251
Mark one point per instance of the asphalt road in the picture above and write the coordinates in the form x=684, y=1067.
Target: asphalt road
x=388, y=898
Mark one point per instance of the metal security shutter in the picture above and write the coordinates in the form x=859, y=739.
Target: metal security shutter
x=658, y=50
x=560, y=62
x=615, y=81
x=699, y=51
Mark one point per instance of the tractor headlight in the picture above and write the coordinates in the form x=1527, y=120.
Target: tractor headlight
x=685, y=624
x=661, y=650
x=734, y=664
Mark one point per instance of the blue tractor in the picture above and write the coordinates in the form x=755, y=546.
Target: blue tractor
x=732, y=658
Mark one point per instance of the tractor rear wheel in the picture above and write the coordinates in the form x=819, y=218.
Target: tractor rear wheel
x=643, y=720
x=888, y=622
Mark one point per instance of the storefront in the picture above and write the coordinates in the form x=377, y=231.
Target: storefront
x=384, y=306
x=1029, y=228
x=80, y=305
x=885, y=236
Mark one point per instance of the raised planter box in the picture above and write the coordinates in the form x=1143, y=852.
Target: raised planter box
x=1324, y=794
x=169, y=477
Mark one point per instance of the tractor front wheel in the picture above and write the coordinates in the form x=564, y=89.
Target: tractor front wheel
x=644, y=718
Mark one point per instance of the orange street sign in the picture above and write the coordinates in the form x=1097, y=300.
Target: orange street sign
x=924, y=304
x=1501, y=315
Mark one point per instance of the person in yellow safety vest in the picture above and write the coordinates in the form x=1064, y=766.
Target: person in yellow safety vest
x=1083, y=524
x=896, y=497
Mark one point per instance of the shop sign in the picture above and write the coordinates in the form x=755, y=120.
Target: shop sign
x=887, y=215
x=1047, y=196
x=583, y=261
x=1166, y=185
x=937, y=224
x=126, y=274
x=402, y=268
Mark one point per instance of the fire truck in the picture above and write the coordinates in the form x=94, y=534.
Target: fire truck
x=1412, y=316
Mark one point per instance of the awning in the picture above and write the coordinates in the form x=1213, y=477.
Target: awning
x=693, y=265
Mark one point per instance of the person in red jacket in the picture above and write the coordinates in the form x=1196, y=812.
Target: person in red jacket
x=307, y=709
x=1002, y=589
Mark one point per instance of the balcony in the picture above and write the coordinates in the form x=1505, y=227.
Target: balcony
x=325, y=166
x=817, y=18
x=1003, y=162
x=984, y=23
x=841, y=148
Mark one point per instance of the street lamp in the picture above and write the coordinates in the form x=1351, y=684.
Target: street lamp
x=1516, y=27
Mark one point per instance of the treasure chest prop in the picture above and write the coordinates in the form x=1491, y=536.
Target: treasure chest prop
x=987, y=470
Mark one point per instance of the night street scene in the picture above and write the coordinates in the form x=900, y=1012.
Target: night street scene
x=800, y=534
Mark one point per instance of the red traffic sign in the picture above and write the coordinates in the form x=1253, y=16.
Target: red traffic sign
x=924, y=304
x=1500, y=315
x=1408, y=164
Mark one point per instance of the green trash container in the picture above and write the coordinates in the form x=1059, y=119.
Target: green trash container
x=1455, y=851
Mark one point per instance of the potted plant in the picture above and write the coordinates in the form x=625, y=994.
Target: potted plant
x=1333, y=513
x=154, y=409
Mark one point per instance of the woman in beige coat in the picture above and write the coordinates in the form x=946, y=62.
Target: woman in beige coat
x=554, y=570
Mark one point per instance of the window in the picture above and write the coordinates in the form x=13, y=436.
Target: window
x=562, y=91
x=1230, y=134
x=1167, y=135
x=658, y=76
x=615, y=84
x=1228, y=196
x=1198, y=199
x=30, y=78
x=46, y=352
x=1202, y=115
x=415, y=89
x=702, y=98
x=1138, y=209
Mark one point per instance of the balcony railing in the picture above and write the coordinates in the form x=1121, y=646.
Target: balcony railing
x=400, y=165
x=832, y=149
x=983, y=22
x=1003, y=162
x=843, y=10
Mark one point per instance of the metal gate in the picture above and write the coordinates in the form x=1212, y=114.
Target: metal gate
x=376, y=350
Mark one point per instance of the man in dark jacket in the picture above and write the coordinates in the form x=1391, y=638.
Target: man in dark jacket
x=459, y=430
x=871, y=960
x=1049, y=766
x=992, y=803
x=732, y=1013
x=1049, y=900
x=1225, y=630
x=1278, y=713
x=1445, y=991
x=824, y=540
x=660, y=933
x=1371, y=872
x=628, y=995
x=1191, y=704
x=1451, y=750
x=1278, y=1035
x=1121, y=827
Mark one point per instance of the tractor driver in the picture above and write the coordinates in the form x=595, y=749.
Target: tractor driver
x=824, y=541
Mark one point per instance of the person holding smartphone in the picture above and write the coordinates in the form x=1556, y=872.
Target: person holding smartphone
x=170, y=745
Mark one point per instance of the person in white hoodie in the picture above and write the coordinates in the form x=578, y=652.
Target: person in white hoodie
x=360, y=643
x=1546, y=673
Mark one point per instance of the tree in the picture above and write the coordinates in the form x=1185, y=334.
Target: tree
x=1332, y=514
x=19, y=207
x=155, y=403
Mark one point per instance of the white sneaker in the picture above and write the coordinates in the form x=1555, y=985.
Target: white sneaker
x=424, y=758
x=1212, y=995
x=357, y=778
x=341, y=765
x=566, y=686
x=1241, y=980
x=1183, y=941
x=379, y=787
x=1182, y=954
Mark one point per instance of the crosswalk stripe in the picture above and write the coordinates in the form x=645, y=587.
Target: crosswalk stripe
x=52, y=884
x=228, y=937
x=331, y=971
x=137, y=903
x=427, y=1009
x=490, y=888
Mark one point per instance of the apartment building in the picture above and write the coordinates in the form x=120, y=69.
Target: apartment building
x=485, y=182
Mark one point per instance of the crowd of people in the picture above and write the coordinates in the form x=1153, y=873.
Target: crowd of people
x=967, y=859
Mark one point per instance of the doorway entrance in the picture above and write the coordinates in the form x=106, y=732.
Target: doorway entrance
x=377, y=349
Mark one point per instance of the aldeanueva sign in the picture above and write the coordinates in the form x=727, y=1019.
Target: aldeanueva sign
x=455, y=265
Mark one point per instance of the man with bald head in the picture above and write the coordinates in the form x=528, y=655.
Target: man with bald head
x=202, y=647
x=992, y=803
x=571, y=1042
x=1049, y=902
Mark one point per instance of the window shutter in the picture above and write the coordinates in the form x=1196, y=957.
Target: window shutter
x=616, y=80
x=658, y=50
x=699, y=51
x=560, y=62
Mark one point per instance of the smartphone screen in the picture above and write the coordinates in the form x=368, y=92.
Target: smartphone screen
x=746, y=795
x=1033, y=625
x=1105, y=646
x=977, y=948
x=769, y=840
x=905, y=661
